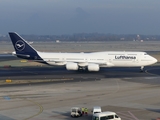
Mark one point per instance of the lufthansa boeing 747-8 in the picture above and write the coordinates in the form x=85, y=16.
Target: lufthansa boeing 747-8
x=75, y=61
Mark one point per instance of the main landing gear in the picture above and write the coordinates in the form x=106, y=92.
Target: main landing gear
x=83, y=69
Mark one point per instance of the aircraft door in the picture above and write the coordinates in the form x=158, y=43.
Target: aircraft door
x=138, y=58
x=86, y=59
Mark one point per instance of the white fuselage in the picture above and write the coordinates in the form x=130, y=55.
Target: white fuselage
x=103, y=59
x=75, y=61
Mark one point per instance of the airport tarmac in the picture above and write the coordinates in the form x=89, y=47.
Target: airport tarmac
x=133, y=95
x=60, y=74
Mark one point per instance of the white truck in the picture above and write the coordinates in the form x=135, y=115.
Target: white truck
x=76, y=112
x=106, y=116
x=96, y=109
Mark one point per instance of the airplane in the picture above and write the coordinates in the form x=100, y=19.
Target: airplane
x=81, y=61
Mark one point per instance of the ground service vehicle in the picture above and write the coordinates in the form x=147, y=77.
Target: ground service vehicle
x=76, y=112
x=96, y=109
x=106, y=116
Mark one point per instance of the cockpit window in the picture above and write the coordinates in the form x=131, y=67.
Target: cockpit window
x=116, y=116
x=145, y=54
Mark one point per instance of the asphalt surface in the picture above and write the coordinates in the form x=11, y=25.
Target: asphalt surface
x=132, y=94
x=36, y=73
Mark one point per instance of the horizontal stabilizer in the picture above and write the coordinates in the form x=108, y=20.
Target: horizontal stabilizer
x=22, y=55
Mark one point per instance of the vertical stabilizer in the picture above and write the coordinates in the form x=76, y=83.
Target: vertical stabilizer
x=22, y=48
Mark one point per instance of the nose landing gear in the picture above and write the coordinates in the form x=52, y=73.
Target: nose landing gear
x=142, y=67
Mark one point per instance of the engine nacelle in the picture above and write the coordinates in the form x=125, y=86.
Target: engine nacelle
x=72, y=66
x=93, y=67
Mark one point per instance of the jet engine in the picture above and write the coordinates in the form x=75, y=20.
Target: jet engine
x=93, y=67
x=72, y=66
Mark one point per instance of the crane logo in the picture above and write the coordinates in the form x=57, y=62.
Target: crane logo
x=20, y=45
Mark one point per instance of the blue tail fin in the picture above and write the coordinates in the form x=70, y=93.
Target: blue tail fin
x=22, y=48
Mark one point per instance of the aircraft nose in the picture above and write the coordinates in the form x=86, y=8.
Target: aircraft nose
x=155, y=60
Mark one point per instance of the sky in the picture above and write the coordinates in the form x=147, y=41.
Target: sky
x=57, y=17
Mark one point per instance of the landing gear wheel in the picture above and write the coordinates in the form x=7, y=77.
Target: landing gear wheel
x=83, y=69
